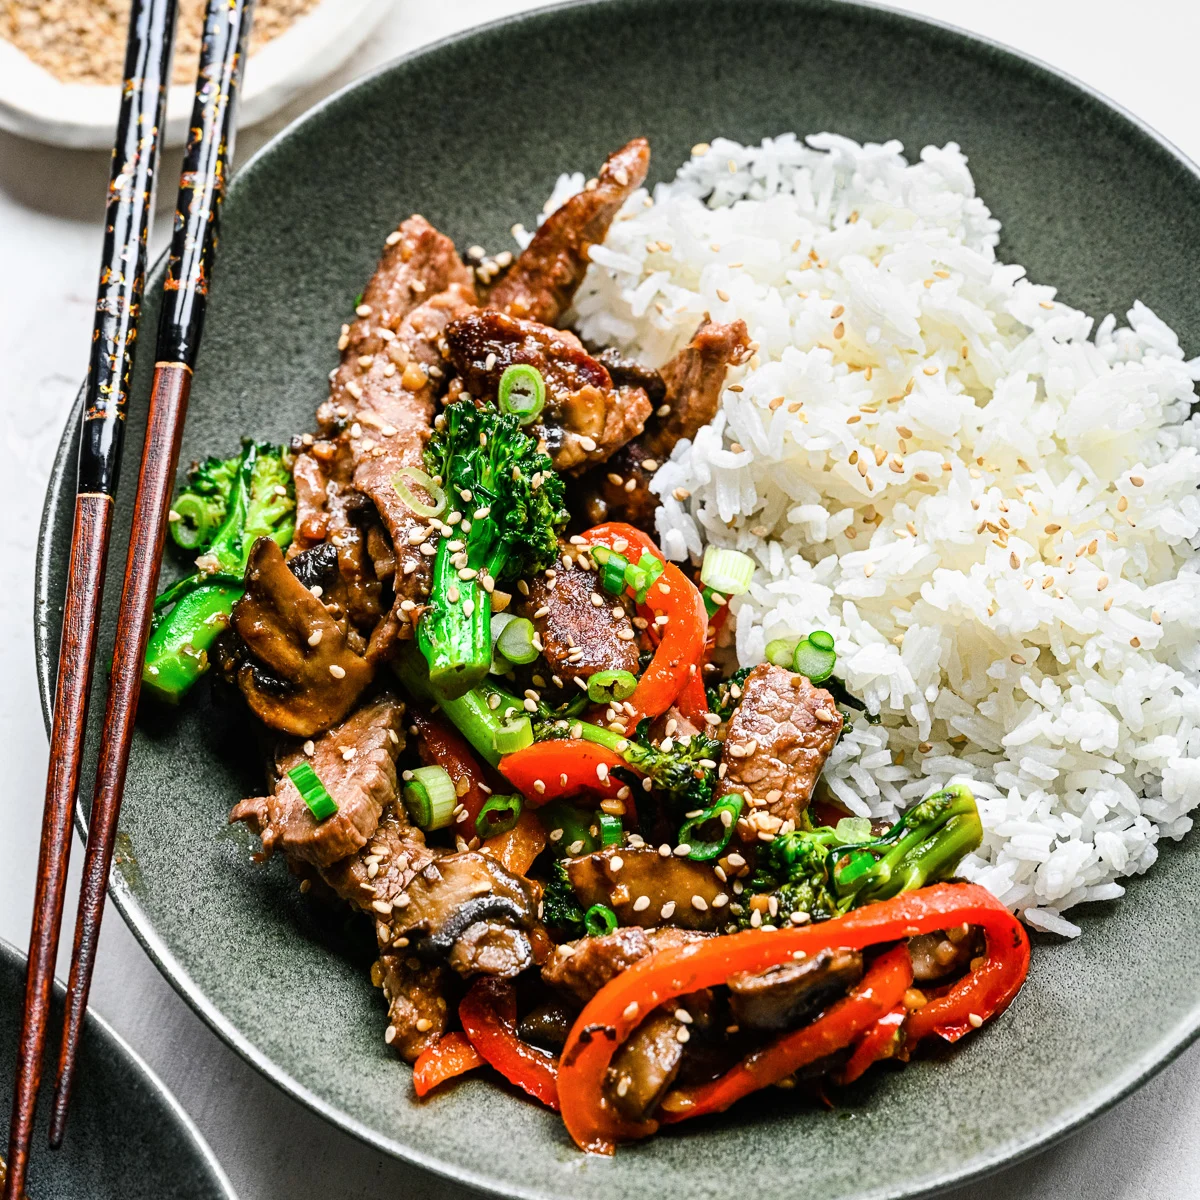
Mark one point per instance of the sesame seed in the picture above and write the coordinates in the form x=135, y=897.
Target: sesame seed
x=975, y=1020
x=641, y=904
x=668, y=910
x=336, y=671
x=682, y=1034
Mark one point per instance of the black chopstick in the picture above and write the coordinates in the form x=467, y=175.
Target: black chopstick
x=114, y=338
x=206, y=167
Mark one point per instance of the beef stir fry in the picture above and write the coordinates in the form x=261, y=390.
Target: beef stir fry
x=522, y=753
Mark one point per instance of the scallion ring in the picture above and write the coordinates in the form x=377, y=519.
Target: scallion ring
x=498, y=815
x=515, y=641
x=522, y=392
x=815, y=659
x=430, y=798
x=401, y=480
x=726, y=571
x=314, y=793
x=612, y=832
x=195, y=526
x=514, y=735
x=781, y=652
x=599, y=920
x=708, y=834
x=606, y=686
x=852, y=831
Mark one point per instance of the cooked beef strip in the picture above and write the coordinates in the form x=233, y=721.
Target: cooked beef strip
x=643, y=872
x=357, y=764
x=288, y=630
x=417, y=1008
x=693, y=380
x=376, y=421
x=779, y=737
x=542, y=282
x=628, y=372
x=645, y=1066
x=585, y=419
x=578, y=636
x=784, y=996
x=580, y=969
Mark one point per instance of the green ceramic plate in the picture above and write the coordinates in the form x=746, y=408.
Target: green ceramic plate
x=472, y=133
x=127, y=1138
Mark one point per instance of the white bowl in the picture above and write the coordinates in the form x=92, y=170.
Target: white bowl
x=36, y=105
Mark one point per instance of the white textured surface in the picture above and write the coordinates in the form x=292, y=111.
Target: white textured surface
x=49, y=245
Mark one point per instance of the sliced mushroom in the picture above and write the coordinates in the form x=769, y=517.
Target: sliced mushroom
x=646, y=888
x=783, y=996
x=288, y=630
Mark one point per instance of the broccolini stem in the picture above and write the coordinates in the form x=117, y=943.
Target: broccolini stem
x=455, y=632
x=177, y=653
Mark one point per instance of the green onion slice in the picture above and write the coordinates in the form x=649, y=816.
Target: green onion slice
x=498, y=815
x=522, y=392
x=612, y=573
x=515, y=641
x=646, y=572
x=726, y=571
x=781, y=652
x=821, y=639
x=708, y=834
x=599, y=920
x=430, y=798
x=314, y=793
x=195, y=527
x=401, y=482
x=606, y=686
x=514, y=735
x=851, y=831
x=612, y=832
x=814, y=660
x=856, y=864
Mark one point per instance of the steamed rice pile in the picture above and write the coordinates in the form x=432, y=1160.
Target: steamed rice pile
x=991, y=505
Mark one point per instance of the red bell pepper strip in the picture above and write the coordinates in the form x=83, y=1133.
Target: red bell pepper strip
x=616, y=1009
x=562, y=767
x=692, y=702
x=488, y=1013
x=878, y=990
x=881, y=1041
x=440, y=744
x=449, y=1056
x=517, y=847
x=680, y=650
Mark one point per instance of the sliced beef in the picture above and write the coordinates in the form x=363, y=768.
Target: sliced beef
x=580, y=637
x=415, y=992
x=580, y=969
x=679, y=891
x=779, y=737
x=586, y=417
x=692, y=380
x=542, y=282
x=357, y=764
x=628, y=372
x=470, y=911
x=786, y=995
x=314, y=677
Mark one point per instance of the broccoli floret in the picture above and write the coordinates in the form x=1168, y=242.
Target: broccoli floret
x=816, y=871
x=509, y=503
x=561, y=911
x=684, y=774
x=259, y=501
x=723, y=697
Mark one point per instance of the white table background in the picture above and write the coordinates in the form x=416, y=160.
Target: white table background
x=1142, y=54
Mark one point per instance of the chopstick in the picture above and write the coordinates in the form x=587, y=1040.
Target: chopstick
x=118, y=303
x=193, y=249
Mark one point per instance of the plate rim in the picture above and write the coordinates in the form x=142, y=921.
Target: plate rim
x=96, y=1024
x=1011, y=1152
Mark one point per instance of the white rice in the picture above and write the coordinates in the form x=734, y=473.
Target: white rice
x=1021, y=603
